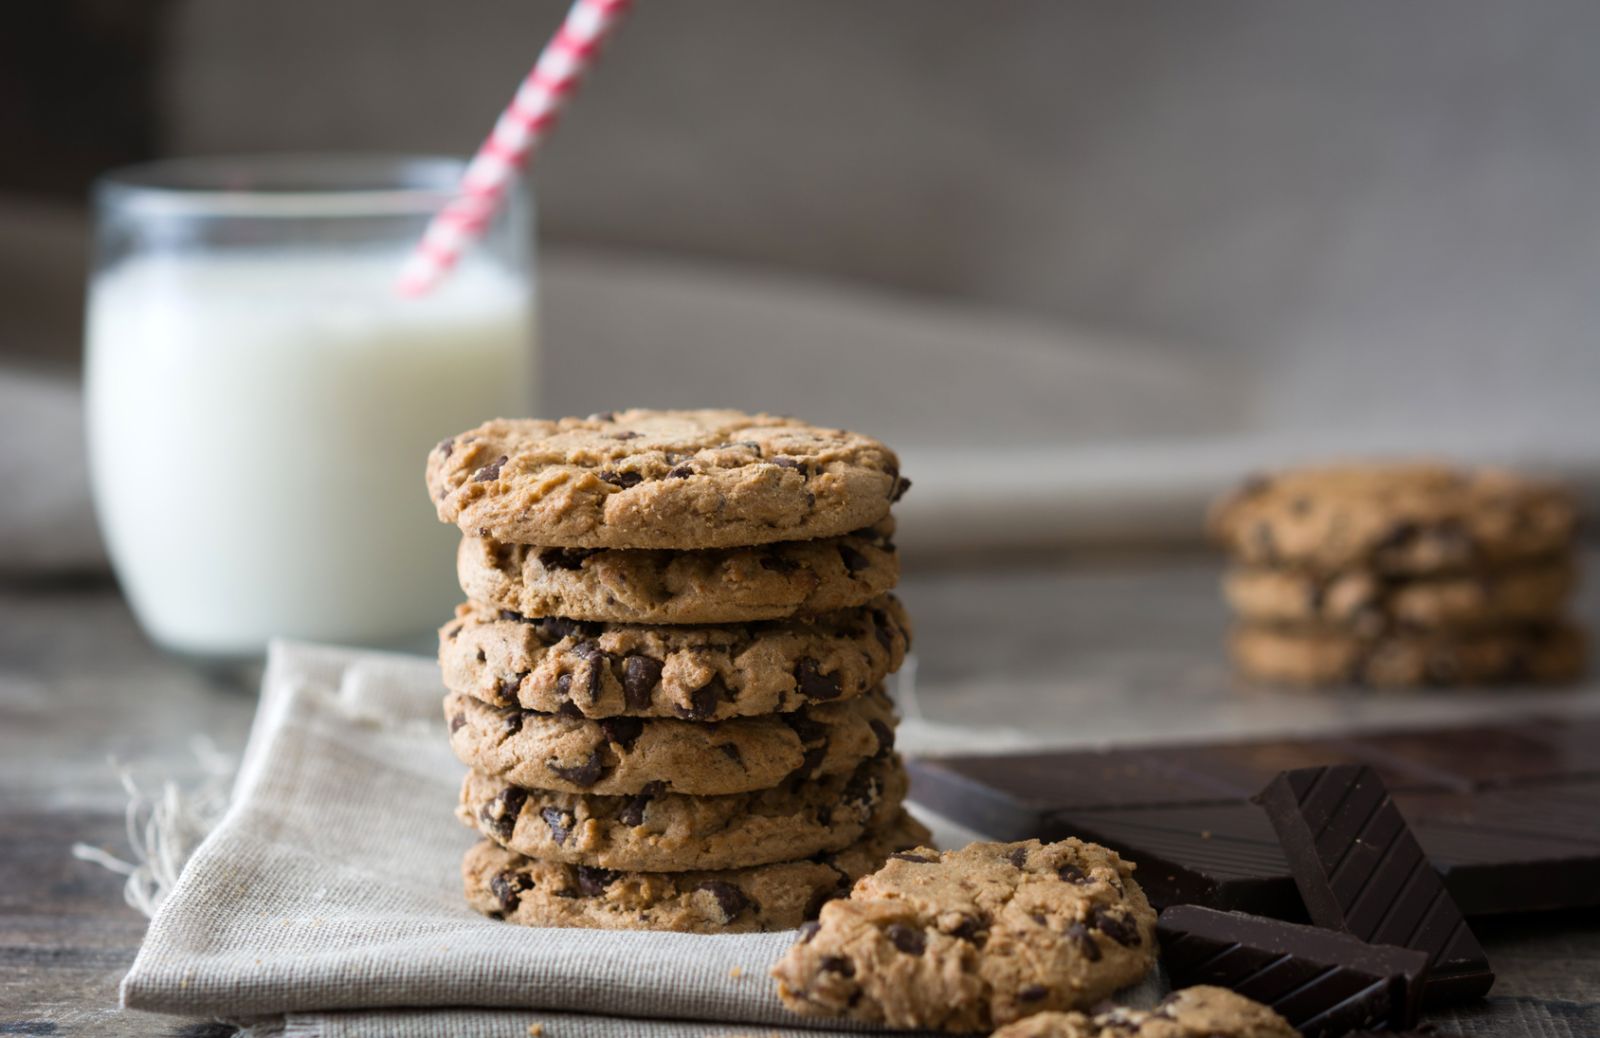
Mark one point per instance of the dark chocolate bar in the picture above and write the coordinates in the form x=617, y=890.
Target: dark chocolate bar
x=1537, y=847
x=1222, y=855
x=1359, y=869
x=1505, y=812
x=1323, y=982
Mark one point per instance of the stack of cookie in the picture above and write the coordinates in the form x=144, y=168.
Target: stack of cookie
x=1401, y=575
x=668, y=677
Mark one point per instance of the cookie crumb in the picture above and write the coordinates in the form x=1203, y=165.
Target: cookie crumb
x=535, y=1030
x=736, y=972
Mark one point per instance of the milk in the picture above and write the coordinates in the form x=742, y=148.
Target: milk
x=258, y=425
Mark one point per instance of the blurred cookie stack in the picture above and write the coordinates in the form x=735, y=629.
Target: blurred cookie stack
x=667, y=678
x=1401, y=575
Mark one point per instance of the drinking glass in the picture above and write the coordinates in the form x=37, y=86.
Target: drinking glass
x=261, y=399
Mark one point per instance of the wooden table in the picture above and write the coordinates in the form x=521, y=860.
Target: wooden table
x=1089, y=650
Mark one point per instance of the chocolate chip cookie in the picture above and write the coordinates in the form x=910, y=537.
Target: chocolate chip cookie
x=1367, y=602
x=1320, y=656
x=703, y=673
x=1197, y=1012
x=656, y=831
x=625, y=756
x=1394, y=518
x=971, y=939
x=661, y=479
x=780, y=896
x=712, y=586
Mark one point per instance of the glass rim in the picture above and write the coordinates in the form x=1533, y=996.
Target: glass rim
x=284, y=185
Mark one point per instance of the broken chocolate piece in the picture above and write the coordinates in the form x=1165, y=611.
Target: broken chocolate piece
x=1321, y=981
x=1360, y=870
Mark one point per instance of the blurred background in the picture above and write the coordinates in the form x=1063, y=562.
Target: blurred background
x=1144, y=247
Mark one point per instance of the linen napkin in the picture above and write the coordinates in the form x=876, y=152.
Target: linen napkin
x=328, y=901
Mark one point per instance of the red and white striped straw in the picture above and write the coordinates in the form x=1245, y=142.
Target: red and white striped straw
x=519, y=131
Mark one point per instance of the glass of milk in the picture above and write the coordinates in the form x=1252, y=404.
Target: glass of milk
x=261, y=400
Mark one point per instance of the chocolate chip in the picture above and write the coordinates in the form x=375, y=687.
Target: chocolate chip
x=626, y=434
x=812, y=683
x=1117, y=927
x=513, y=616
x=632, y=813
x=806, y=727
x=808, y=930
x=564, y=685
x=1398, y=536
x=837, y=964
x=906, y=938
x=640, y=674
x=511, y=720
x=920, y=859
x=1316, y=595
x=592, y=882
x=778, y=564
x=622, y=479
x=1073, y=874
x=883, y=628
x=751, y=446
x=564, y=558
x=970, y=926
x=885, y=736
x=624, y=731
x=1018, y=856
x=862, y=790
x=1085, y=941
x=599, y=662
x=681, y=472
x=457, y=722
x=792, y=463
x=811, y=760
x=730, y=750
x=568, y=708
x=508, y=887
x=729, y=898
x=446, y=447
x=1032, y=993
x=489, y=471
x=853, y=560
x=507, y=688
x=1450, y=536
x=553, y=629
x=900, y=487
x=581, y=775
x=703, y=701
x=500, y=813
x=560, y=823
x=588, y=650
